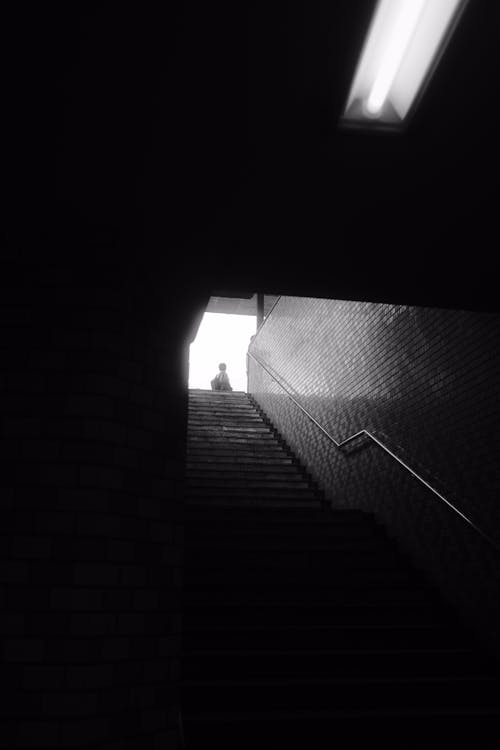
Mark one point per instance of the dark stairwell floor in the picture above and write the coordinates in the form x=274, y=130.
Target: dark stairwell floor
x=305, y=627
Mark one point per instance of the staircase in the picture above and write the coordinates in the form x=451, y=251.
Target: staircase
x=235, y=457
x=305, y=627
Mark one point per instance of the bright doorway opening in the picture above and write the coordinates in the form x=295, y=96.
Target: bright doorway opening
x=225, y=338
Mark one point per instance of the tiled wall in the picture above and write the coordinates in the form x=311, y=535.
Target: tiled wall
x=94, y=403
x=427, y=383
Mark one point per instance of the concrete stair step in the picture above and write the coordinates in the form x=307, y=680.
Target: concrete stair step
x=222, y=425
x=375, y=576
x=404, y=692
x=239, y=397
x=310, y=636
x=250, y=501
x=345, y=554
x=396, y=728
x=274, y=493
x=354, y=588
x=240, y=422
x=236, y=421
x=267, y=444
x=209, y=394
x=230, y=616
x=314, y=521
x=253, y=464
x=331, y=558
x=216, y=397
x=223, y=405
x=211, y=462
x=223, y=430
x=220, y=502
x=227, y=410
x=214, y=473
x=229, y=414
x=257, y=473
x=204, y=395
x=320, y=595
x=209, y=484
x=198, y=409
x=200, y=414
x=335, y=565
x=241, y=418
x=246, y=439
x=218, y=533
x=340, y=664
x=220, y=401
x=290, y=541
x=287, y=535
x=225, y=452
x=254, y=488
x=371, y=572
x=282, y=518
x=303, y=522
x=267, y=449
x=238, y=454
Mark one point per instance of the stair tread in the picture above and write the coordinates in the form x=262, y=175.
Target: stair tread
x=224, y=452
x=248, y=462
x=252, y=501
x=331, y=626
x=305, y=604
x=278, y=591
x=260, y=472
x=355, y=680
x=299, y=714
x=412, y=600
x=243, y=466
x=238, y=428
x=208, y=482
x=327, y=585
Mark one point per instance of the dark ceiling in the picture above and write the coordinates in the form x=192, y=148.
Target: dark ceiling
x=203, y=139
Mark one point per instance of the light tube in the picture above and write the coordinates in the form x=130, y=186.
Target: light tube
x=402, y=48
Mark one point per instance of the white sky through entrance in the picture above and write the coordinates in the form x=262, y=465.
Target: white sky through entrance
x=221, y=338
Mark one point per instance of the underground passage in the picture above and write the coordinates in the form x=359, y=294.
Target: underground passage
x=309, y=560
x=327, y=596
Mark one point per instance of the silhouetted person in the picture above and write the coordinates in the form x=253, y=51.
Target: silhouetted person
x=221, y=380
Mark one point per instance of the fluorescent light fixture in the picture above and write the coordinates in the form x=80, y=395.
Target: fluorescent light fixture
x=403, y=46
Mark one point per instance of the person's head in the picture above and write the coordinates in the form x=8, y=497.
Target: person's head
x=222, y=366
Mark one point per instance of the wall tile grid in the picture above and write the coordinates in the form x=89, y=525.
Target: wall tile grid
x=91, y=499
x=426, y=382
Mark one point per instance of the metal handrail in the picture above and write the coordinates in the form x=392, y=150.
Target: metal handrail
x=384, y=447
x=268, y=314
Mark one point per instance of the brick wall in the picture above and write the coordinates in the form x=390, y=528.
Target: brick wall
x=94, y=399
x=427, y=383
